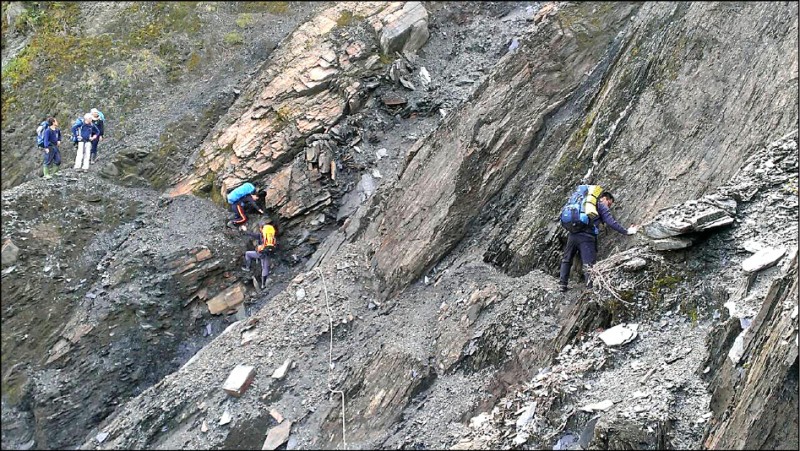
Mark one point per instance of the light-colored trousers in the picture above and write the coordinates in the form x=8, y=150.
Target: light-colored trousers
x=84, y=152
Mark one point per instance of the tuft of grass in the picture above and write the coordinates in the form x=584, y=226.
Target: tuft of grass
x=245, y=20
x=347, y=18
x=233, y=38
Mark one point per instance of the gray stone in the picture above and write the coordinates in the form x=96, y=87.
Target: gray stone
x=666, y=228
x=669, y=244
x=407, y=31
x=619, y=334
x=10, y=252
x=239, y=380
x=721, y=222
x=602, y=405
x=277, y=436
x=763, y=259
x=280, y=372
x=634, y=264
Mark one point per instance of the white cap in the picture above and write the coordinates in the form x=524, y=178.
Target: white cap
x=94, y=110
x=88, y=116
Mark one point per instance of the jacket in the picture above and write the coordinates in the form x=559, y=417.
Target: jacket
x=84, y=131
x=51, y=137
x=607, y=218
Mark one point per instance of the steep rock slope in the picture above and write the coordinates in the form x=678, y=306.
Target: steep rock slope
x=600, y=96
x=408, y=364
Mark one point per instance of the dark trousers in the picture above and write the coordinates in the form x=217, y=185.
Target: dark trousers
x=52, y=157
x=95, y=143
x=584, y=243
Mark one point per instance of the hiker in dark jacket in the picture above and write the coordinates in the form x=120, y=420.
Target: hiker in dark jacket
x=585, y=242
x=241, y=207
x=85, y=133
x=99, y=121
x=52, y=156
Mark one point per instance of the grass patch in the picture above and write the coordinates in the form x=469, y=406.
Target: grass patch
x=245, y=20
x=347, y=18
x=233, y=38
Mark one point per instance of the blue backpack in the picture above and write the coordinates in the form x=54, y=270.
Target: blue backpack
x=240, y=192
x=581, y=208
x=77, y=122
x=40, y=133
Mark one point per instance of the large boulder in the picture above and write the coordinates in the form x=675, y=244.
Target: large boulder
x=406, y=30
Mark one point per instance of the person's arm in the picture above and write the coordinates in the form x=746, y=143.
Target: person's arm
x=608, y=219
x=46, y=140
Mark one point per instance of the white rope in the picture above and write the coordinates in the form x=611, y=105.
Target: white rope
x=330, y=355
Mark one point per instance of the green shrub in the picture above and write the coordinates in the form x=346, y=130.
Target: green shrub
x=244, y=20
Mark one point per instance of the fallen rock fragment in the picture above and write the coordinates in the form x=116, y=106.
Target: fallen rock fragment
x=619, y=334
x=598, y=406
x=239, y=380
x=280, y=372
x=763, y=259
x=9, y=252
x=277, y=436
x=229, y=298
x=226, y=418
x=634, y=264
x=276, y=415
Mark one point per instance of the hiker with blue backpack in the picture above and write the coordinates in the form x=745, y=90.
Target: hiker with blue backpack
x=49, y=139
x=243, y=200
x=588, y=206
x=84, y=133
x=99, y=120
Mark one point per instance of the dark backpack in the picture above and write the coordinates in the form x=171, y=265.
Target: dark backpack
x=40, y=131
x=581, y=208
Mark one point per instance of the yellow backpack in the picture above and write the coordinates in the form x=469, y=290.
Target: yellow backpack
x=267, y=239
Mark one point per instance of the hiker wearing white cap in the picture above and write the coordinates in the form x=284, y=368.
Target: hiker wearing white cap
x=99, y=121
x=85, y=133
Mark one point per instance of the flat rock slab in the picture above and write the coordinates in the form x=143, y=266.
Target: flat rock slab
x=763, y=259
x=239, y=380
x=634, y=264
x=619, y=334
x=229, y=298
x=277, y=436
x=598, y=406
x=670, y=244
x=406, y=30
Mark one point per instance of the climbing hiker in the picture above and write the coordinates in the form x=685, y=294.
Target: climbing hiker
x=581, y=217
x=243, y=200
x=98, y=119
x=51, y=139
x=85, y=133
x=264, y=249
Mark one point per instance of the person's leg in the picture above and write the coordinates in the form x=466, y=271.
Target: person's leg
x=588, y=249
x=87, y=147
x=248, y=256
x=94, y=150
x=79, y=155
x=56, y=160
x=241, y=218
x=47, y=157
x=264, y=269
x=566, y=262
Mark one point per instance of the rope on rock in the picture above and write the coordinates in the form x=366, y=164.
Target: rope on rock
x=330, y=355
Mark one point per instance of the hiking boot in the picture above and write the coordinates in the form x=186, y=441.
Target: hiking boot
x=245, y=269
x=230, y=225
x=562, y=288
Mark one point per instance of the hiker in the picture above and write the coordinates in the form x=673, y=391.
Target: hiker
x=98, y=119
x=243, y=200
x=264, y=249
x=584, y=240
x=51, y=141
x=84, y=133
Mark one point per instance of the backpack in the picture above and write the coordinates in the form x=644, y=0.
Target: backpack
x=240, y=192
x=581, y=208
x=77, y=122
x=40, y=130
x=267, y=239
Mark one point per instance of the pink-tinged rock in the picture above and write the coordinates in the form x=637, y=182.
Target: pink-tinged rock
x=239, y=380
x=229, y=298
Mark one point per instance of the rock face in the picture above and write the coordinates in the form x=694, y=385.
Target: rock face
x=609, y=108
x=755, y=405
x=405, y=30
